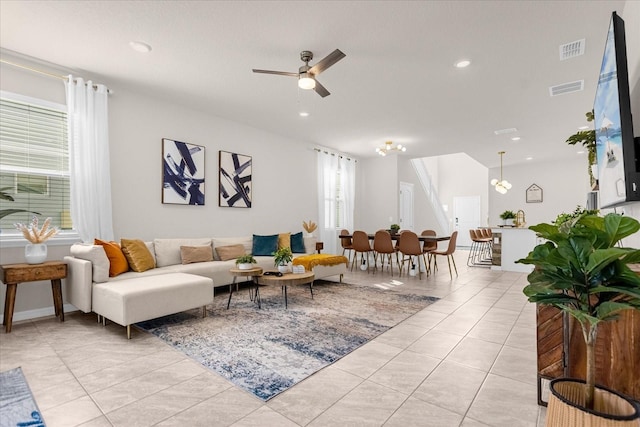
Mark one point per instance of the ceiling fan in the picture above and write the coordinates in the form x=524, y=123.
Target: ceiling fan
x=307, y=74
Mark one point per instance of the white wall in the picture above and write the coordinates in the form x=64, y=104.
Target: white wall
x=458, y=176
x=377, y=193
x=564, y=185
x=284, y=173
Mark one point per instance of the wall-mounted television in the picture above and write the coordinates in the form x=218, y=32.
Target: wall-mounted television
x=616, y=149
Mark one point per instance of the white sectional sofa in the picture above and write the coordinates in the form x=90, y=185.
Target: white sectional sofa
x=121, y=298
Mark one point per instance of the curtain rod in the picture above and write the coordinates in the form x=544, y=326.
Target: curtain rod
x=334, y=154
x=35, y=70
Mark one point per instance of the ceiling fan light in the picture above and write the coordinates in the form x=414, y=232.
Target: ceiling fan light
x=306, y=82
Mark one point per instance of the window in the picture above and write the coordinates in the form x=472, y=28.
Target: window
x=34, y=162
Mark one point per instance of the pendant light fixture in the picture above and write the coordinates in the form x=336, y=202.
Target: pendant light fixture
x=389, y=147
x=503, y=185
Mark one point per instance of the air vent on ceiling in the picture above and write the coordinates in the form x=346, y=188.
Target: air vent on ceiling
x=505, y=131
x=564, y=88
x=571, y=50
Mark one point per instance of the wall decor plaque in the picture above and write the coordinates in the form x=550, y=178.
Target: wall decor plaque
x=534, y=194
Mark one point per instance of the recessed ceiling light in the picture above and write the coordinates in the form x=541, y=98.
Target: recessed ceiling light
x=140, y=47
x=462, y=64
x=303, y=114
x=529, y=158
x=583, y=128
x=515, y=138
x=580, y=152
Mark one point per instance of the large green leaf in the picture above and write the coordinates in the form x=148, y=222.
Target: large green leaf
x=619, y=227
x=601, y=258
x=611, y=309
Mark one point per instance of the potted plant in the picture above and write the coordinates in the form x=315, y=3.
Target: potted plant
x=36, y=250
x=588, y=140
x=394, y=228
x=508, y=217
x=581, y=271
x=245, y=262
x=309, y=227
x=281, y=258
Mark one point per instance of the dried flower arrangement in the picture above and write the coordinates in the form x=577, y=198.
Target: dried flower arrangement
x=34, y=234
x=309, y=227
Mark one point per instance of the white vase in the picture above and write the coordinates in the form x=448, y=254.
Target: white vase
x=35, y=253
x=245, y=266
x=284, y=268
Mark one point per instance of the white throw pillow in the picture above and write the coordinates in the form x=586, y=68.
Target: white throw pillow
x=168, y=250
x=97, y=256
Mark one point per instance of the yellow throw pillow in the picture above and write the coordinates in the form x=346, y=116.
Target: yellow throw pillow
x=117, y=261
x=191, y=254
x=138, y=255
x=284, y=240
x=225, y=253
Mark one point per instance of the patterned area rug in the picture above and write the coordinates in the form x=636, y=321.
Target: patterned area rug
x=17, y=407
x=265, y=351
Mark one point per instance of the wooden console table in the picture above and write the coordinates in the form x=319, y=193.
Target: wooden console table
x=12, y=274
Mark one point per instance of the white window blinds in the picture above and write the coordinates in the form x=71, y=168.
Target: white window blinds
x=34, y=163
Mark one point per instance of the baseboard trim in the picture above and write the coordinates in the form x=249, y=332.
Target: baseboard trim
x=40, y=312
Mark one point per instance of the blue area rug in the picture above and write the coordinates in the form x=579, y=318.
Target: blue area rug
x=17, y=406
x=265, y=351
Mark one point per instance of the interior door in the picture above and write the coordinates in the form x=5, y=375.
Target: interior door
x=466, y=216
x=406, y=206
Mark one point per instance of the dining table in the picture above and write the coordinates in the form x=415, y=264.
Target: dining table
x=397, y=237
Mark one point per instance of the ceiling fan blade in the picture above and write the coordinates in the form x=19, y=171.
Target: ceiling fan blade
x=279, y=73
x=321, y=90
x=327, y=61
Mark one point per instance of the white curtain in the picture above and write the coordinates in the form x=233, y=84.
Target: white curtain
x=348, y=185
x=89, y=159
x=329, y=164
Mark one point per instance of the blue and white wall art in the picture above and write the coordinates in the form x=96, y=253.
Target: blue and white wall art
x=235, y=180
x=183, y=173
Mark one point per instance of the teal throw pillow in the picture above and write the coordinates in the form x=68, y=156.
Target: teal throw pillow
x=297, y=243
x=264, y=245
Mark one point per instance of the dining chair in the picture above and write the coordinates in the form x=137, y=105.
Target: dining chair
x=428, y=247
x=383, y=246
x=447, y=253
x=362, y=246
x=346, y=243
x=409, y=245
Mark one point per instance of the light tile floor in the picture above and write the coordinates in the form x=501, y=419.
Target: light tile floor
x=467, y=360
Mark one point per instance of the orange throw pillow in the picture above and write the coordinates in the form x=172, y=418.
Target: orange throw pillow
x=117, y=261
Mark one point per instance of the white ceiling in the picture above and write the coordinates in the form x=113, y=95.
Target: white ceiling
x=398, y=81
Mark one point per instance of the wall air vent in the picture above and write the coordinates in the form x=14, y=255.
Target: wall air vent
x=571, y=50
x=565, y=88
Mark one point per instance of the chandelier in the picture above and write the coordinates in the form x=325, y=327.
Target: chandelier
x=388, y=146
x=503, y=185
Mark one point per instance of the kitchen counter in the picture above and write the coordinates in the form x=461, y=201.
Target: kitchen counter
x=509, y=245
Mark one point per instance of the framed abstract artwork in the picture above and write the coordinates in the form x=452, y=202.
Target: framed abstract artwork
x=235, y=180
x=182, y=173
